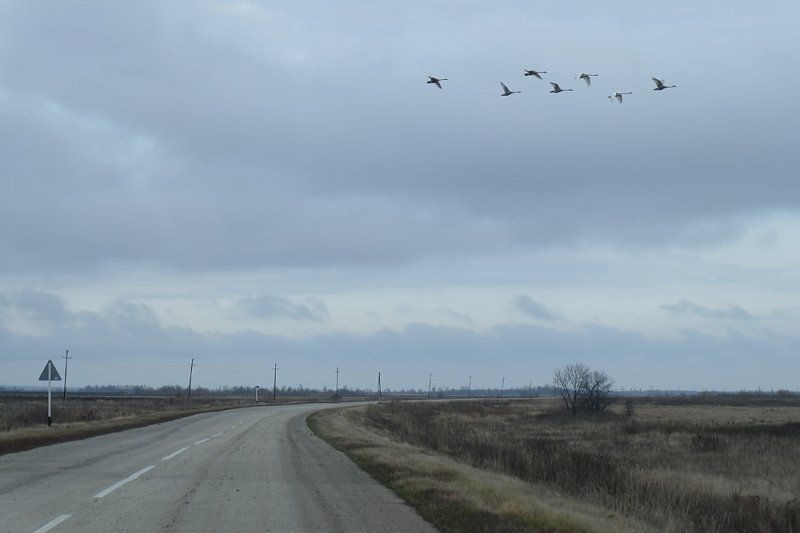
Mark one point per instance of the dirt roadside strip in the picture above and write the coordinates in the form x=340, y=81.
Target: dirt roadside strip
x=453, y=496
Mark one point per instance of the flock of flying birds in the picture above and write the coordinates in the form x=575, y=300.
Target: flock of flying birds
x=660, y=85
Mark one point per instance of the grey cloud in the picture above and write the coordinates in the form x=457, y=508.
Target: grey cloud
x=281, y=155
x=278, y=307
x=685, y=307
x=457, y=316
x=38, y=306
x=530, y=307
x=178, y=137
x=119, y=318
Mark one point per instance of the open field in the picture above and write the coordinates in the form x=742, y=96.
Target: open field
x=23, y=417
x=678, y=464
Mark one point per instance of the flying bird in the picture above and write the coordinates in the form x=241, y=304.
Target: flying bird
x=618, y=96
x=506, y=91
x=435, y=81
x=586, y=77
x=660, y=85
x=557, y=89
x=535, y=73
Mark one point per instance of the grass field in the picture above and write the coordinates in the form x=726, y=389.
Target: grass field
x=682, y=464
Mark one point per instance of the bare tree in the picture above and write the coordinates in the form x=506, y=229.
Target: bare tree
x=596, y=394
x=583, y=388
x=570, y=382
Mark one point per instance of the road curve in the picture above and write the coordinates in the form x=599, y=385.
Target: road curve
x=256, y=469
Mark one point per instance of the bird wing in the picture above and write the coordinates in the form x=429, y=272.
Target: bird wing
x=555, y=86
x=658, y=82
x=503, y=85
x=536, y=74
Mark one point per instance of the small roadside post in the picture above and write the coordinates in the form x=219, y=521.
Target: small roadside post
x=49, y=374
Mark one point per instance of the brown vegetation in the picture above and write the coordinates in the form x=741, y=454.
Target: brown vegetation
x=682, y=467
x=457, y=497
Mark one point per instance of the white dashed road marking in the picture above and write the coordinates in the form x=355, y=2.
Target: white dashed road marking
x=53, y=523
x=173, y=454
x=128, y=479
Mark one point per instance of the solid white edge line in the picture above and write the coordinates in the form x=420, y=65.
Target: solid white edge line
x=128, y=479
x=201, y=441
x=173, y=454
x=217, y=435
x=53, y=523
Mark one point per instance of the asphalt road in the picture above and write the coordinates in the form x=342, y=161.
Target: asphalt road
x=256, y=469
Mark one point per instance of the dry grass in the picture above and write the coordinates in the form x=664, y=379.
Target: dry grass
x=457, y=497
x=677, y=466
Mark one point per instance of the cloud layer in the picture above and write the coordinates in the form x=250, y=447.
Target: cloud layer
x=260, y=178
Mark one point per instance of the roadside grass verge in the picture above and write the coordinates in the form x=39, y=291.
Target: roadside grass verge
x=676, y=466
x=455, y=496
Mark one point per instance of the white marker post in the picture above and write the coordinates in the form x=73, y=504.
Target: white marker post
x=49, y=374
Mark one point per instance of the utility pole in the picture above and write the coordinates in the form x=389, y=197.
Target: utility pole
x=469, y=387
x=257, y=393
x=66, y=360
x=530, y=389
x=502, y=386
x=379, y=385
x=429, y=385
x=336, y=393
x=274, y=381
x=191, y=368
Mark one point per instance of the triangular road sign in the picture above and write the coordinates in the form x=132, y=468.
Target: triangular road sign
x=53, y=372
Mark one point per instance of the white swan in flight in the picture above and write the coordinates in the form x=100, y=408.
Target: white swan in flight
x=557, y=89
x=506, y=91
x=586, y=77
x=435, y=81
x=660, y=85
x=618, y=96
x=535, y=73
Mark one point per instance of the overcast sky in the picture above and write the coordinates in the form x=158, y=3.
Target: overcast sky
x=249, y=183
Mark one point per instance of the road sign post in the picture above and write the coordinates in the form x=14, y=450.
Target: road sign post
x=49, y=374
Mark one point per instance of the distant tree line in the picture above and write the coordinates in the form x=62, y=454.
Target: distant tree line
x=579, y=387
x=300, y=390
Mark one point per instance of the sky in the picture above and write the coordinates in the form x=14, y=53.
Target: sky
x=253, y=184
